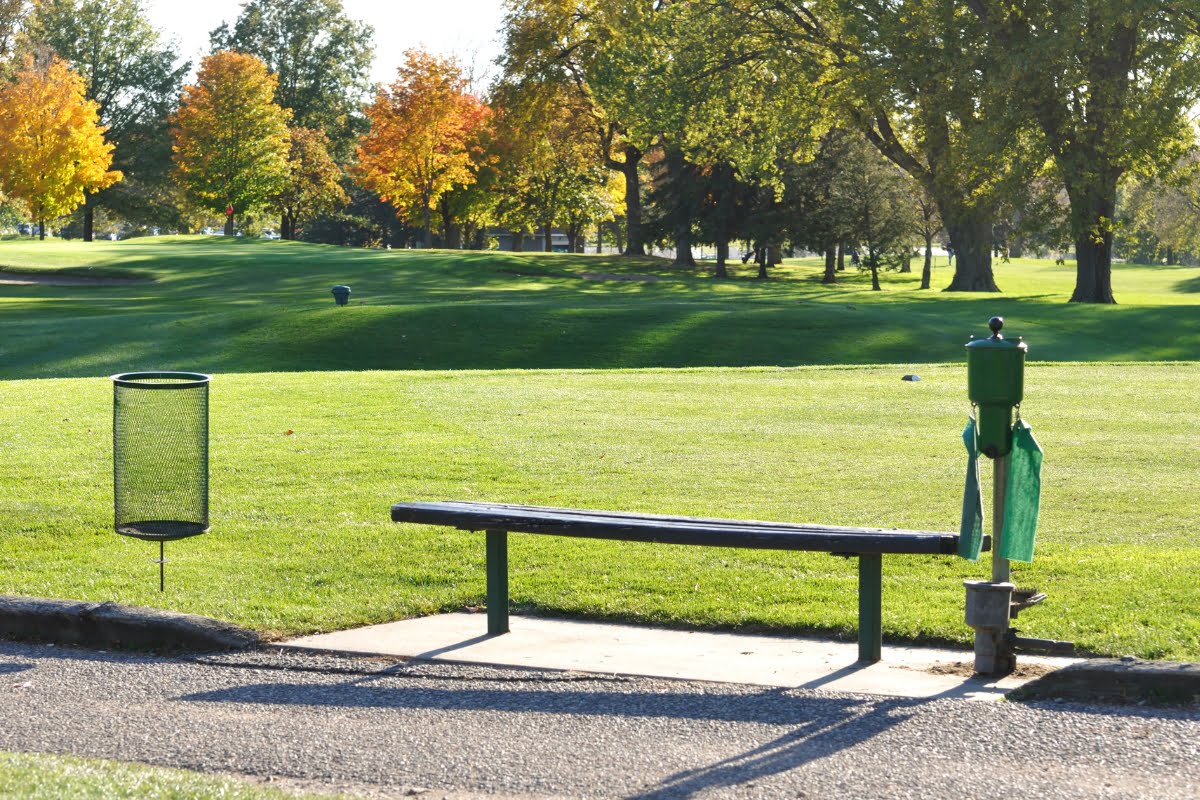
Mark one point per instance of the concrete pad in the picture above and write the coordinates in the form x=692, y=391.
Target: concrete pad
x=792, y=662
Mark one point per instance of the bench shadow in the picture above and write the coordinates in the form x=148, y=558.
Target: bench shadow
x=804, y=744
x=815, y=727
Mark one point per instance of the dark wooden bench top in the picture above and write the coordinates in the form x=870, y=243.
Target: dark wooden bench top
x=674, y=530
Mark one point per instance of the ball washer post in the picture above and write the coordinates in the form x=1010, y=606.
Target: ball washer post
x=995, y=385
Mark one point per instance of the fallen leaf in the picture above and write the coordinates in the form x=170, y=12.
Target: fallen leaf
x=288, y=432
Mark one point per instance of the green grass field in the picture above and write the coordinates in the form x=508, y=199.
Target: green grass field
x=514, y=378
x=249, y=306
x=48, y=777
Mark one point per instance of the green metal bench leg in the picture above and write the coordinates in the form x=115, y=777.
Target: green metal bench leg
x=870, y=607
x=497, y=581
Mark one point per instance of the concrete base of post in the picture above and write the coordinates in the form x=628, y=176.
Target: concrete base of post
x=988, y=608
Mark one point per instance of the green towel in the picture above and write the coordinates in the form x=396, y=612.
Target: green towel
x=970, y=533
x=1022, y=496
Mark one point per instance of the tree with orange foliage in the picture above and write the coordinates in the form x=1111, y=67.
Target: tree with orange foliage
x=425, y=136
x=52, y=146
x=231, y=138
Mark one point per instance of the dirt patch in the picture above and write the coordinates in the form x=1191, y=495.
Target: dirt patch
x=37, y=279
x=604, y=276
x=966, y=669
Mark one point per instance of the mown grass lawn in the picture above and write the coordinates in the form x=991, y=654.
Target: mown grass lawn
x=307, y=459
x=301, y=539
x=223, y=305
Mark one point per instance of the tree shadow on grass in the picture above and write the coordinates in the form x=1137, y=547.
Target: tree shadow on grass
x=1189, y=286
x=242, y=307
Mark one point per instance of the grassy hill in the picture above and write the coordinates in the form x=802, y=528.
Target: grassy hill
x=306, y=459
x=223, y=305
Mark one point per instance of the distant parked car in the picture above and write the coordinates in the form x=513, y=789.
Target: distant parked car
x=268, y=235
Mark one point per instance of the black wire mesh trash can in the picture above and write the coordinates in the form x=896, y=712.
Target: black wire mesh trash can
x=160, y=455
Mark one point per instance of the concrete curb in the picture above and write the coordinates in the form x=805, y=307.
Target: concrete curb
x=1118, y=680
x=115, y=626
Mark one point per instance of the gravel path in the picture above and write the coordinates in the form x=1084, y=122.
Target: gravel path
x=388, y=729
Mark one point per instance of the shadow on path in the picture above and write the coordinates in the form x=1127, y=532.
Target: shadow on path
x=810, y=741
x=815, y=727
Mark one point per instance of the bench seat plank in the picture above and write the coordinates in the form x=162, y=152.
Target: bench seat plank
x=663, y=529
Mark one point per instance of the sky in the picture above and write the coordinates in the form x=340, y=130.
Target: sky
x=465, y=28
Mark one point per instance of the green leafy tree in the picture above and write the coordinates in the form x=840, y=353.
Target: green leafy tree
x=1159, y=220
x=231, y=139
x=875, y=200
x=1110, y=87
x=551, y=173
x=131, y=75
x=719, y=113
x=585, y=47
x=917, y=82
x=321, y=57
x=313, y=186
x=13, y=14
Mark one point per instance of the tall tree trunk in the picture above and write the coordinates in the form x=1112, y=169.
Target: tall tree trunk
x=841, y=257
x=1091, y=224
x=680, y=200
x=906, y=264
x=927, y=270
x=1170, y=256
x=635, y=246
x=547, y=241
x=760, y=258
x=723, y=186
x=41, y=230
x=619, y=235
x=518, y=239
x=830, y=275
x=1016, y=247
x=89, y=216
x=452, y=237
x=683, y=246
x=971, y=238
x=873, y=257
x=600, y=238
x=1093, y=270
x=428, y=227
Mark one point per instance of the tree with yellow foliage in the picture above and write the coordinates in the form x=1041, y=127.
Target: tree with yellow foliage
x=425, y=136
x=52, y=147
x=314, y=181
x=231, y=138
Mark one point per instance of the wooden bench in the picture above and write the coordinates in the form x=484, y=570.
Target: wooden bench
x=868, y=544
